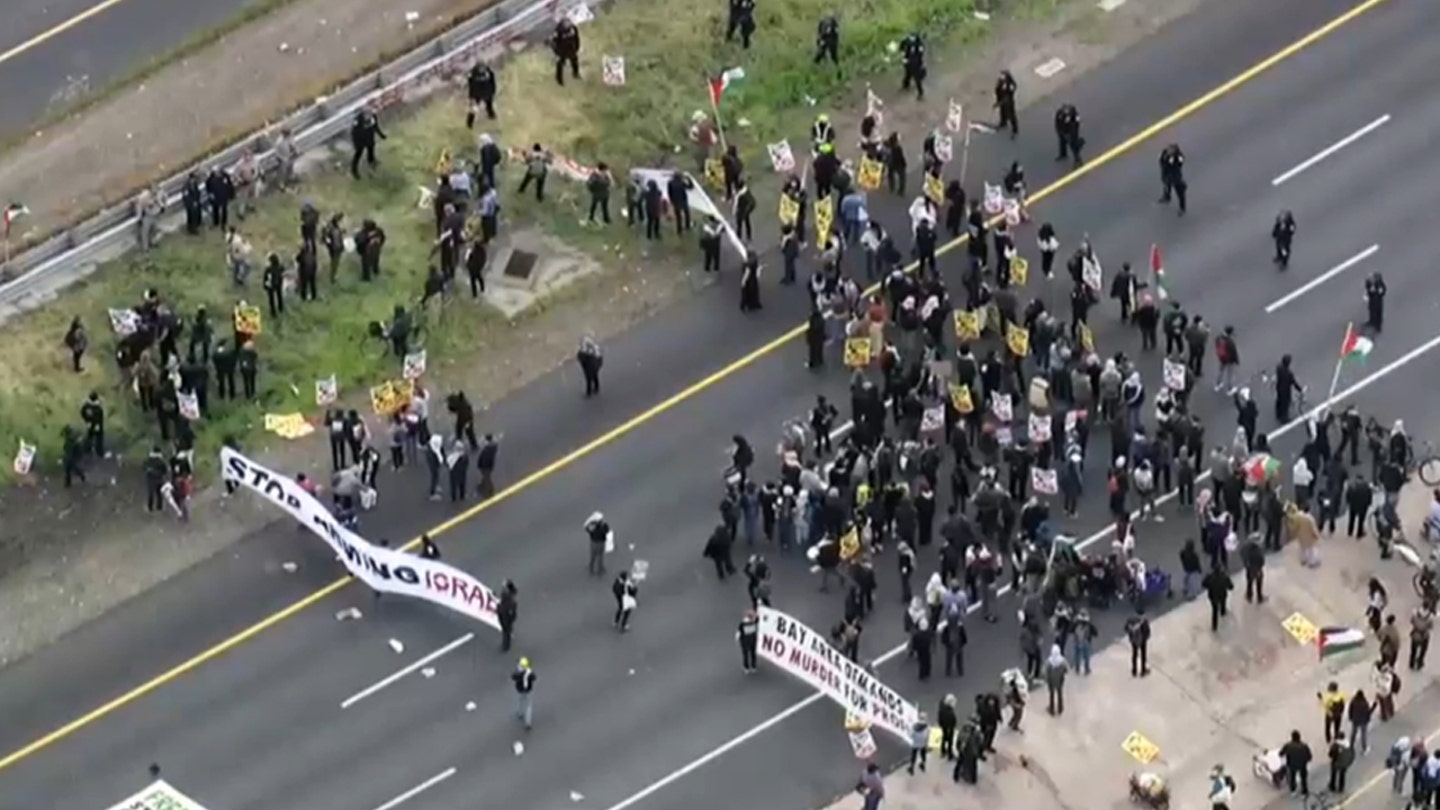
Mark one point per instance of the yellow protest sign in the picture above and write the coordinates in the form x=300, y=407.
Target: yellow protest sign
x=288, y=426
x=714, y=173
x=789, y=210
x=968, y=324
x=1087, y=339
x=1301, y=628
x=442, y=163
x=936, y=737
x=824, y=218
x=857, y=352
x=391, y=396
x=1017, y=339
x=850, y=544
x=1139, y=746
x=934, y=189
x=870, y=174
x=1019, y=271
x=247, y=320
x=960, y=398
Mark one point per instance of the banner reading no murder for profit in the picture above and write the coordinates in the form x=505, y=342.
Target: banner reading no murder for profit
x=384, y=569
x=804, y=653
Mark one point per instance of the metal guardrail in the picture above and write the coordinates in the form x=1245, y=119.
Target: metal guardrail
x=449, y=55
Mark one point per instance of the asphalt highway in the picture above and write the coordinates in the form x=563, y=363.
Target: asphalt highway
x=662, y=717
x=54, y=51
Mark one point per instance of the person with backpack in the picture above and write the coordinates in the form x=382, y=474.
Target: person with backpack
x=1227, y=353
x=1342, y=756
x=1222, y=788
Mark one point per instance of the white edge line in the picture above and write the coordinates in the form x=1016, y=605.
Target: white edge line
x=775, y=720
x=418, y=789
x=1322, y=278
x=398, y=674
x=1333, y=148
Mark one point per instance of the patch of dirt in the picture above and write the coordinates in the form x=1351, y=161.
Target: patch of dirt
x=71, y=556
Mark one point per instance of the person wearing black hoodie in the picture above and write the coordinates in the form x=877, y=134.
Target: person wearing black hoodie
x=1359, y=713
x=947, y=720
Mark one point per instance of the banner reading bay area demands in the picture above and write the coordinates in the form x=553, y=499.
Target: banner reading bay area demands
x=804, y=653
x=386, y=570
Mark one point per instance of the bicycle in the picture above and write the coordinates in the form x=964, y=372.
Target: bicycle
x=1429, y=465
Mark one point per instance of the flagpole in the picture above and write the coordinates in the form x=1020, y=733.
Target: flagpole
x=715, y=107
x=1335, y=379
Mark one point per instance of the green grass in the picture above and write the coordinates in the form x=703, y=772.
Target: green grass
x=669, y=57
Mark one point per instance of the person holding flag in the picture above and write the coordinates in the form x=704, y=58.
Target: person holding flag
x=1355, y=347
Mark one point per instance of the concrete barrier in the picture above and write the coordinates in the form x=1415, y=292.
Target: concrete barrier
x=40, y=273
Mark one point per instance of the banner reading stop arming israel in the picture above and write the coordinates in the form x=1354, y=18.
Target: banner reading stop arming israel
x=790, y=645
x=384, y=569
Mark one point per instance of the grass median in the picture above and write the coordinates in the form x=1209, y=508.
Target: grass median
x=669, y=57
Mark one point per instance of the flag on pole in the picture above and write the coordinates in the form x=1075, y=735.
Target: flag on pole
x=1356, y=345
x=1334, y=640
x=14, y=211
x=721, y=83
x=1157, y=269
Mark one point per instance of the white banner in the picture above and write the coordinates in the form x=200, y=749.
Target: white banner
x=1044, y=481
x=159, y=796
x=782, y=158
x=955, y=118
x=804, y=653
x=386, y=570
x=613, y=70
x=932, y=419
x=1038, y=427
x=1174, y=375
x=944, y=148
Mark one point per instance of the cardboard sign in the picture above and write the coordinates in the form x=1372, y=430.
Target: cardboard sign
x=1087, y=339
x=288, y=426
x=1003, y=407
x=613, y=70
x=392, y=396
x=870, y=174
x=969, y=324
x=1174, y=375
x=1017, y=339
x=1038, y=427
x=248, y=320
x=944, y=147
x=1140, y=747
x=960, y=399
x=932, y=419
x=24, y=458
x=857, y=352
x=934, y=189
x=326, y=391
x=1019, y=271
x=714, y=173
x=955, y=118
x=782, y=158
x=874, y=107
x=189, y=403
x=789, y=210
x=414, y=367
x=125, y=322
x=824, y=219
x=994, y=202
x=1045, y=482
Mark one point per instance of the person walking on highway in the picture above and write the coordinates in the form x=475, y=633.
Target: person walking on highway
x=1227, y=353
x=524, y=679
x=626, y=591
x=507, y=612
x=1284, y=234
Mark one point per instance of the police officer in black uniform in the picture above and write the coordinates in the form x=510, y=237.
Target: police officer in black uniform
x=1283, y=233
x=362, y=137
x=1172, y=175
x=1067, y=130
x=1005, y=88
x=827, y=40
x=92, y=413
x=742, y=19
x=481, y=88
x=1375, y=290
x=913, y=47
x=565, y=43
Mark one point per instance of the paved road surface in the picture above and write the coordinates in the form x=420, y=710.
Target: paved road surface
x=262, y=726
x=107, y=44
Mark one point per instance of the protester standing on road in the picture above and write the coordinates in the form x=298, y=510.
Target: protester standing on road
x=485, y=459
x=1332, y=707
x=871, y=787
x=1252, y=557
x=919, y=743
x=590, y=359
x=1359, y=713
x=1386, y=683
x=601, y=538
x=1137, y=631
x=1296, y=755
x=524, y=679
x=1422, y=623
x=1055, y=669
x=507, y=612
x=1005, y=88
x=1342, y=756
x=1217, y=588
x=747, y=634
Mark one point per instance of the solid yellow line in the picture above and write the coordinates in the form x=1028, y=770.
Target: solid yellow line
x=666, y=405
x=58, y=29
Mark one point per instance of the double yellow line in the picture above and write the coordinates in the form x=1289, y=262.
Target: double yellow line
x=670, y=403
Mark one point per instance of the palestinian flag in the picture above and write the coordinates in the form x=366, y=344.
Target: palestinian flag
x=1157, y=269
x=721, y=83
x=13, y=211
x=1334, y=640
x=1261, y=467
x=1356, y=345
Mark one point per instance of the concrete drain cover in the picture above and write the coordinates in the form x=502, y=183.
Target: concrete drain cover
x=521, y=265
